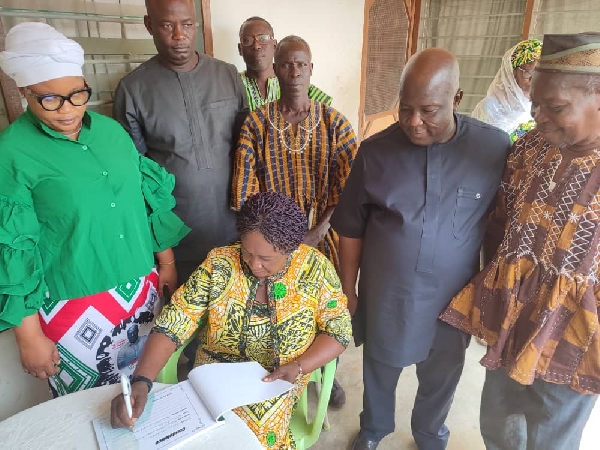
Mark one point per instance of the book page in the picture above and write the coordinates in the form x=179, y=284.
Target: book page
x=224, y=386
x=171, y=417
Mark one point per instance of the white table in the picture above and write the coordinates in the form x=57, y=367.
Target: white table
x=66, y=423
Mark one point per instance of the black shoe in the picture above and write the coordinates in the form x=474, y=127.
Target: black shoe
x=338, y=396
x=363, y=443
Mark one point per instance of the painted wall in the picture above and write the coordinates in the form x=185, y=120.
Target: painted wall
x=18, y=390
x=333, y=29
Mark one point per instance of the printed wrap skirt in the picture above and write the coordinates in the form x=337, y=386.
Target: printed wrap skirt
x=102, y=335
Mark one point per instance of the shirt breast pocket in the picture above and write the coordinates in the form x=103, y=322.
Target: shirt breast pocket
x=230, y=102
x=219, y=118
x=224, y=108
x=466, y=211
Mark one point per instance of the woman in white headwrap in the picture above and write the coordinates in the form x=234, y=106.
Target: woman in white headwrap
x=82, y=217
x=507, y=104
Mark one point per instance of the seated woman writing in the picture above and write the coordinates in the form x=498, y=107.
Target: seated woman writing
x=269, y=299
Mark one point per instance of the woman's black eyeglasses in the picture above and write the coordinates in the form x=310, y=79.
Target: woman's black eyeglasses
x=53, y=102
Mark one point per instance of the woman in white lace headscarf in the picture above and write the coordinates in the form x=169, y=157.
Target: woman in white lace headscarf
x=507, y=104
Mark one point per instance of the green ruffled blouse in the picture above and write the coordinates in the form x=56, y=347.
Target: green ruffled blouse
x=77, y=217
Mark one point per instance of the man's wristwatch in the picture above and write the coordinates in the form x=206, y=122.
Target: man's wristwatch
x=135, y=379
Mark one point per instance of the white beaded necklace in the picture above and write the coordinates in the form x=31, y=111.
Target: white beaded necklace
x=293, y=143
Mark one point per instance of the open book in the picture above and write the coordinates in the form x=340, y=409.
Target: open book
x=183, y=411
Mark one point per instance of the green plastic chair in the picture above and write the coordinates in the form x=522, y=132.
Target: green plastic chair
x=168, y=374
x=305, y=433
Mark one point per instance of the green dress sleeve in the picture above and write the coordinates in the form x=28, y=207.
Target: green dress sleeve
x=166, y=228
x=22, y=285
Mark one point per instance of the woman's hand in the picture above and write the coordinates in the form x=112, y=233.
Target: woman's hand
x=288, y=372
x=157, y=351
x=118, y=411
x=316, y=235
x=167, y=275
x=39, y=355
x=352, y=302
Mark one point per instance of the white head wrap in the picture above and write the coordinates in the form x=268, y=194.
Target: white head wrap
x=36, y=52
x=505, y=105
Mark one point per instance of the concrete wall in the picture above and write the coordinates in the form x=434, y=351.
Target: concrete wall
x=18, y=391
x=333, y=29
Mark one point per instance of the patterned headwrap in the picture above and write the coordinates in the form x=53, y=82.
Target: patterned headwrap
x=526, y=52
x=572, y=53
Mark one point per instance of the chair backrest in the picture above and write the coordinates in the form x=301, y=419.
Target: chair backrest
x=168, y=374
x=307, y=433
x=18, y=390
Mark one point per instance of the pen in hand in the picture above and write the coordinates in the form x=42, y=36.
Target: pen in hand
x=126, y=387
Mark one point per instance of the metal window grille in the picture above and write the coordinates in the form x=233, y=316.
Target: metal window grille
x=111, y=32
x=386, y=54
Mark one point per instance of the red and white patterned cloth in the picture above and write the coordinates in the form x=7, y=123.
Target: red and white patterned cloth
x=101, y=335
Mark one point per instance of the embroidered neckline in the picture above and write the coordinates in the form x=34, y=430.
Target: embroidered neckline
x=294, y=143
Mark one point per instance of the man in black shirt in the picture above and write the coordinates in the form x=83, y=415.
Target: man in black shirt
x=412, y=218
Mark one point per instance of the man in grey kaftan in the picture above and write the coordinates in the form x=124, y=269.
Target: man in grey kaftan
x=181, y=110
x=185, y=122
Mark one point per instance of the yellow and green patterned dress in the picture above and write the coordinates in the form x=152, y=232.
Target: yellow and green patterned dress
x=304, y=300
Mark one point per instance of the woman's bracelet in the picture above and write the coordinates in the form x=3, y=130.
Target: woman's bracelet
x=136, y=378
x=300, y=371
x=167, y=264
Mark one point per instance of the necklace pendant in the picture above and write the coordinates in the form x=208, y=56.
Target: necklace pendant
x=295, y=144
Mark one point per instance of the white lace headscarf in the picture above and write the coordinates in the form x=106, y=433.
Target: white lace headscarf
x=505, y=105
x=36, y=52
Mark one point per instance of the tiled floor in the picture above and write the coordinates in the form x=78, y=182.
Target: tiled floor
x=463, y=420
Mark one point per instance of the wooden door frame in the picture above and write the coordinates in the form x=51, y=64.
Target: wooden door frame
x=413, y=12
x=8, y=88
x=527, y=19
x=207, y=27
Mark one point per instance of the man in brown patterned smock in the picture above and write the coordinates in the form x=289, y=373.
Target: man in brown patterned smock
x=537, y=302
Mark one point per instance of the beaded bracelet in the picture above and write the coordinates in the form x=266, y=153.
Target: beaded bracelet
x=148, y=381
x=166, y=264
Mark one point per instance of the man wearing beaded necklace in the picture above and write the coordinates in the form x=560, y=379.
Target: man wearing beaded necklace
x=257, y=47
x=299, y=147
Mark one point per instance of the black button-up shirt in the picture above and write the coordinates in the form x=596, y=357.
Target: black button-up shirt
x=421, y=212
